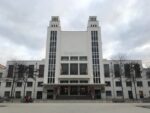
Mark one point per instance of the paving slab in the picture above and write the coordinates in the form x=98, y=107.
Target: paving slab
x=74, y=107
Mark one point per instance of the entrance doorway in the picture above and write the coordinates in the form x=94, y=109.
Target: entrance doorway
x=83, y=90
x=74, y=90
x=49, y=94
x=97, y=94
x=141, y=94
x=64, y=90
x=39, y=95
x=130, y=94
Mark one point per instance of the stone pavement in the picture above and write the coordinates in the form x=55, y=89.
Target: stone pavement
x=71, y=107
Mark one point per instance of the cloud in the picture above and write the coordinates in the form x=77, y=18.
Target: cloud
x=125, y=25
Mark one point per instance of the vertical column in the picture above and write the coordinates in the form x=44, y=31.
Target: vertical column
x=95, y=50
x=51, y=65
x=52, y=57
x=95, y=57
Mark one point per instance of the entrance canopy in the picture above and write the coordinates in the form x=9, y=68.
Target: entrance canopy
x=65, y=84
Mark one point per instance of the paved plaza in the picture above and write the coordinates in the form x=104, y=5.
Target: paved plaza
x=70, y=107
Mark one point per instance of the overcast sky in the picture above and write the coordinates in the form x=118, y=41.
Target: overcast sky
x=125, y=26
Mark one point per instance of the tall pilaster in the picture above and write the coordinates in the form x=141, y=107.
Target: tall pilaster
x=95, y=50
x=52, y=51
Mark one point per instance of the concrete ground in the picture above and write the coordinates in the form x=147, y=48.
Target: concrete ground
x=70, y=107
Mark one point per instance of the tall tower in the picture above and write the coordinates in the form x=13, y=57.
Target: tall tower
x=95, y=50
x=52, y=48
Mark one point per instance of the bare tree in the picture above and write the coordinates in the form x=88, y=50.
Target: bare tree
x=132, y=72
x=35, y=75
x=24, y=71
x=14, y=77
x=120, y=59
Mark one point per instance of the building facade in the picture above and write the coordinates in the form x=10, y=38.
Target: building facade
x=2, y=71
x=75, y=69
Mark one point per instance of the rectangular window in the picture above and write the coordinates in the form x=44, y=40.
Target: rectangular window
x=73, y=69
x=10, y=71
x=8, y=84
x=118, y=84
x=63, y=81
x=39, y=94
x=119, y=93
x=117, y=70
x=106, y=70
x=148, y=83
x=139, y=84
x=83, y=69
x=1, y=74
x=108, y=83
x=148, y=73
x=141, y=94
x=41, y=71
x=40, y=84
x=19, y=84
x=83, y=58
x=128, y=83
x=21, y=70
x=83, y=81
x=137, y=70
x=7, y=93
x=74, y=58
x=64, y=69
x=127, y=70
x=95, y=44
x=108, y=93
x=29, y=84
x=18, y=94
x=64, y=58
x=29, y=93
x=73, y=81
x=31, y=71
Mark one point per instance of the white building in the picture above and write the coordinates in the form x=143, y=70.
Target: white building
x=2, y=71
x=75, y=69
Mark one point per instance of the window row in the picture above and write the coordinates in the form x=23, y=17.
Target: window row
x=95, y=49
x=20, y=84
x=21, y=70
x=118, y=93
x=54, y=25
x=51, y=80
x=74, y=58
x=53, y=35
x=94, y=35
x=73, y=69
x=28, y=93
x=128, y=83
x=95, y=60
x=116, y=69
x=73, y=81
x=93, y=25
x=96, y=80
x=51, y=73
x=52, y=49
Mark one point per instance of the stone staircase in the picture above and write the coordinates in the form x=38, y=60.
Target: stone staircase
x=63, y=97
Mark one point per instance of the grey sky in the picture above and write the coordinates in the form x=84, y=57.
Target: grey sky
x=125, y=25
